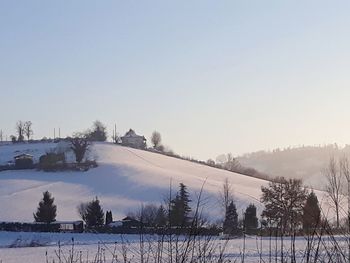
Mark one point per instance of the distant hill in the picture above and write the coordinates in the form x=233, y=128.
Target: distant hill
x=306, y=162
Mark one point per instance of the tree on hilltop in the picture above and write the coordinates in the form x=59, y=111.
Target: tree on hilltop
x=79, y=145
x=156, y=140
x=98, y=132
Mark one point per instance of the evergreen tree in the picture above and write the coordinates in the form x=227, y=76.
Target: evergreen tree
x=311, y=212
x=94, y=214
x=230, y=225
x=46, y=211
x=179, y=208
x=109, y=217
x=250, y=219
x=161, y=217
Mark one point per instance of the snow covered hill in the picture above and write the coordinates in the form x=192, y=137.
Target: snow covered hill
x=124, y=180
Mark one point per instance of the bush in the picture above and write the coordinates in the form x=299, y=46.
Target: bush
x=52, y=161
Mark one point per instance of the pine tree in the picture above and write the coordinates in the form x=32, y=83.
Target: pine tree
x=179, y=208
x=109, y=217
x=46, y=211
x=161, y=217
x=250, y=219
x=94, y=214
x=230, y=225
x=311, y=212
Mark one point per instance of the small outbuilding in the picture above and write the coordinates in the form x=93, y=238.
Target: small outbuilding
x=129, y=222
x=131, y=139
x=24, y=161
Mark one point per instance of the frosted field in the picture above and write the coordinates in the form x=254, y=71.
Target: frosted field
x=87, y=245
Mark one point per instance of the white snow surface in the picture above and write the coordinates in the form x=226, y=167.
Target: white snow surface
x=124, y=179
x=43, y=247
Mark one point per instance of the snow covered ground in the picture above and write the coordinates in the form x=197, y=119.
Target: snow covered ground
x=255, y=248
x=124, y=180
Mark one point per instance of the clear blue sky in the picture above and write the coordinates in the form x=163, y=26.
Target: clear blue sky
x=212, y=76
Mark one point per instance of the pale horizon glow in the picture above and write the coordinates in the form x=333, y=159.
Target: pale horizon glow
x=211, y=77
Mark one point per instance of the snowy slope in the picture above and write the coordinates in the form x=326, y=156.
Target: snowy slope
x=124, y=180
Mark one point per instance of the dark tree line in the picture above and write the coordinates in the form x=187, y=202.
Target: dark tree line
x=288, y=207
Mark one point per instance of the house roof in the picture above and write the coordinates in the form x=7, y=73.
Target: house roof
x=24, y=156
x=131, y=133
x=128, y=218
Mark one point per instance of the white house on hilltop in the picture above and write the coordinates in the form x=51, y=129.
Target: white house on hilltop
x=133, y=140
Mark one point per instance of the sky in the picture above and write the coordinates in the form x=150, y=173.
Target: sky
x=211, y=76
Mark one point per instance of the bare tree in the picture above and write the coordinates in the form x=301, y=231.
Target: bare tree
x=28, y=129
x=115, y=136
x=226, y=195
x=334, y=185
x=20, y=131
x=1, y=136
x=82, y=210
x=79, y=145
x=228, y=162
x=345, y=171
x=156, y=139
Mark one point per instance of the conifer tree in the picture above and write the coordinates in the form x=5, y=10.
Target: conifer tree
x=230, y=225
x=179, y=208
x=109, y=217
x=94, y=216
x=161, y=217
x=311, y=212
x=250, y=219
x=46, y=211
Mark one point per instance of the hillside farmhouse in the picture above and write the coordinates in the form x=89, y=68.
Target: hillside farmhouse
x=133, y=140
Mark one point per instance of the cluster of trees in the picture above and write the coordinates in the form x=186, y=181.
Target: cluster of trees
x=97, y=133
x=91, y=212
x=229, y=163
x=177, y=211
x=289, y=206
x=23, y=130
x=232, y=226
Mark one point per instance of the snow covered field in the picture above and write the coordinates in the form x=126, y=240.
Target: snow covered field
x=124, y=180
x=88, y=245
